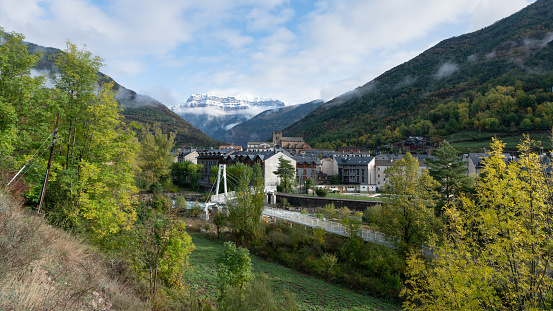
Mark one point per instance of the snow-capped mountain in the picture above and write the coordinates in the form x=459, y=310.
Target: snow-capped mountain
x=214, y=115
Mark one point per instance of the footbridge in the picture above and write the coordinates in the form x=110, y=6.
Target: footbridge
x=295, y=217
x=329, y=226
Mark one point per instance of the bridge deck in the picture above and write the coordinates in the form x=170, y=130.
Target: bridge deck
x=330, y=226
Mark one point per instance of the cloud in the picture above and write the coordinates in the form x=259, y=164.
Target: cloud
x=262, y=19
x=270, y=48
x=446, y=70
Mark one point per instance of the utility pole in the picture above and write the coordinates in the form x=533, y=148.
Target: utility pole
x=49, y=164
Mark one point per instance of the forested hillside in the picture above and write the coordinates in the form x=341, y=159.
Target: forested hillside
x=498, y=79
x=135, y=107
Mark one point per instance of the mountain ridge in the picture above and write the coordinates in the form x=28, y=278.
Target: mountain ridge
x=518, y=46
x=136, y=107
x=214, y=115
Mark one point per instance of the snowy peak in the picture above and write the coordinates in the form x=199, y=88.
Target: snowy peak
x=227, y=103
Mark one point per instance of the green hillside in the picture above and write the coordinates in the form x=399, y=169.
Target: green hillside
x=497, y=79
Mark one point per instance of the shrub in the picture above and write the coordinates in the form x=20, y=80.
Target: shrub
x=156, y=187
x=321, y=192
x=343, y=213
x=258, y=295
x=284, y=203
x=168, y=186
x=160, y=203
x=372, y=214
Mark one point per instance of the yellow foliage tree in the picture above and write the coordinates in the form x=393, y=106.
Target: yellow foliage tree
x=498, y=250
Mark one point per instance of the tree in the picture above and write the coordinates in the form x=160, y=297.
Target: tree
x=449, y=172
x=497, y=252
x=244, y=211
x=287, y=173
x=409, y=215
x=95, y=162
x=234, y=267
x=220, y=221
x=186, y=173
x=27, y=109
x=77, y=80
x=335, y=179
x=160, y=246
x=155, y=157
x=308, y=183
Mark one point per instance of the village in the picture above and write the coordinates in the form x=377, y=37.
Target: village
x=347, y=170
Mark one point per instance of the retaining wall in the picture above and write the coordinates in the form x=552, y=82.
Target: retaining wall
x=308, y=201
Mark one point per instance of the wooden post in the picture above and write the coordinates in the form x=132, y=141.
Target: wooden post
x=49, y=165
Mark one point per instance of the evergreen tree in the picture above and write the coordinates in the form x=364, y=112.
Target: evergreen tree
x=449, y=171
x=287, y=173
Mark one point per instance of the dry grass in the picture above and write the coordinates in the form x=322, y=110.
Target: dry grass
x=44, y=268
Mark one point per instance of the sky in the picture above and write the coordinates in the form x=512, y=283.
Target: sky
x=294, y=51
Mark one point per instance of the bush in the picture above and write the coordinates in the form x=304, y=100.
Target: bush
x=372, y=214
x=180, y=202
x=168, y=186
x=156, y=187
x=284, y=203
x=160, y=203
x=321, y=192
x=343, y=212
x=257, y=295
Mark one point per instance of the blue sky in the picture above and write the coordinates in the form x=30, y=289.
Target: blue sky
x=295, y=51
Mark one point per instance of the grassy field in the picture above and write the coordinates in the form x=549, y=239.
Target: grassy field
x=311, y=293
x=511, y=141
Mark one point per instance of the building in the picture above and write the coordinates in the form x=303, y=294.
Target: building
x=476, y=164
x=356, y=170
x=307, y=167
x=268, y=160
x=188, y=155
x=209, y=158
x=259, y=146
x=239, y=148
x=294, y=145
x=354, y=151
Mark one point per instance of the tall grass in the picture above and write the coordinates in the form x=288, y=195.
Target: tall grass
x=44, y=268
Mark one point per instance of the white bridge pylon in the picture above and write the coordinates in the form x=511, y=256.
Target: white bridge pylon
x=218, y=198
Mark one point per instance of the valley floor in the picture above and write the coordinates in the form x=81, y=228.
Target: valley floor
x=310, y=292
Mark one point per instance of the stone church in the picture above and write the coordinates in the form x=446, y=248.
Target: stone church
x=294, y=145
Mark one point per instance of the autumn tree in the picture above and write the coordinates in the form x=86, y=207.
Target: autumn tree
x=234, y=267
x=497, y=252
x=409, y=215
x=159, y=248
